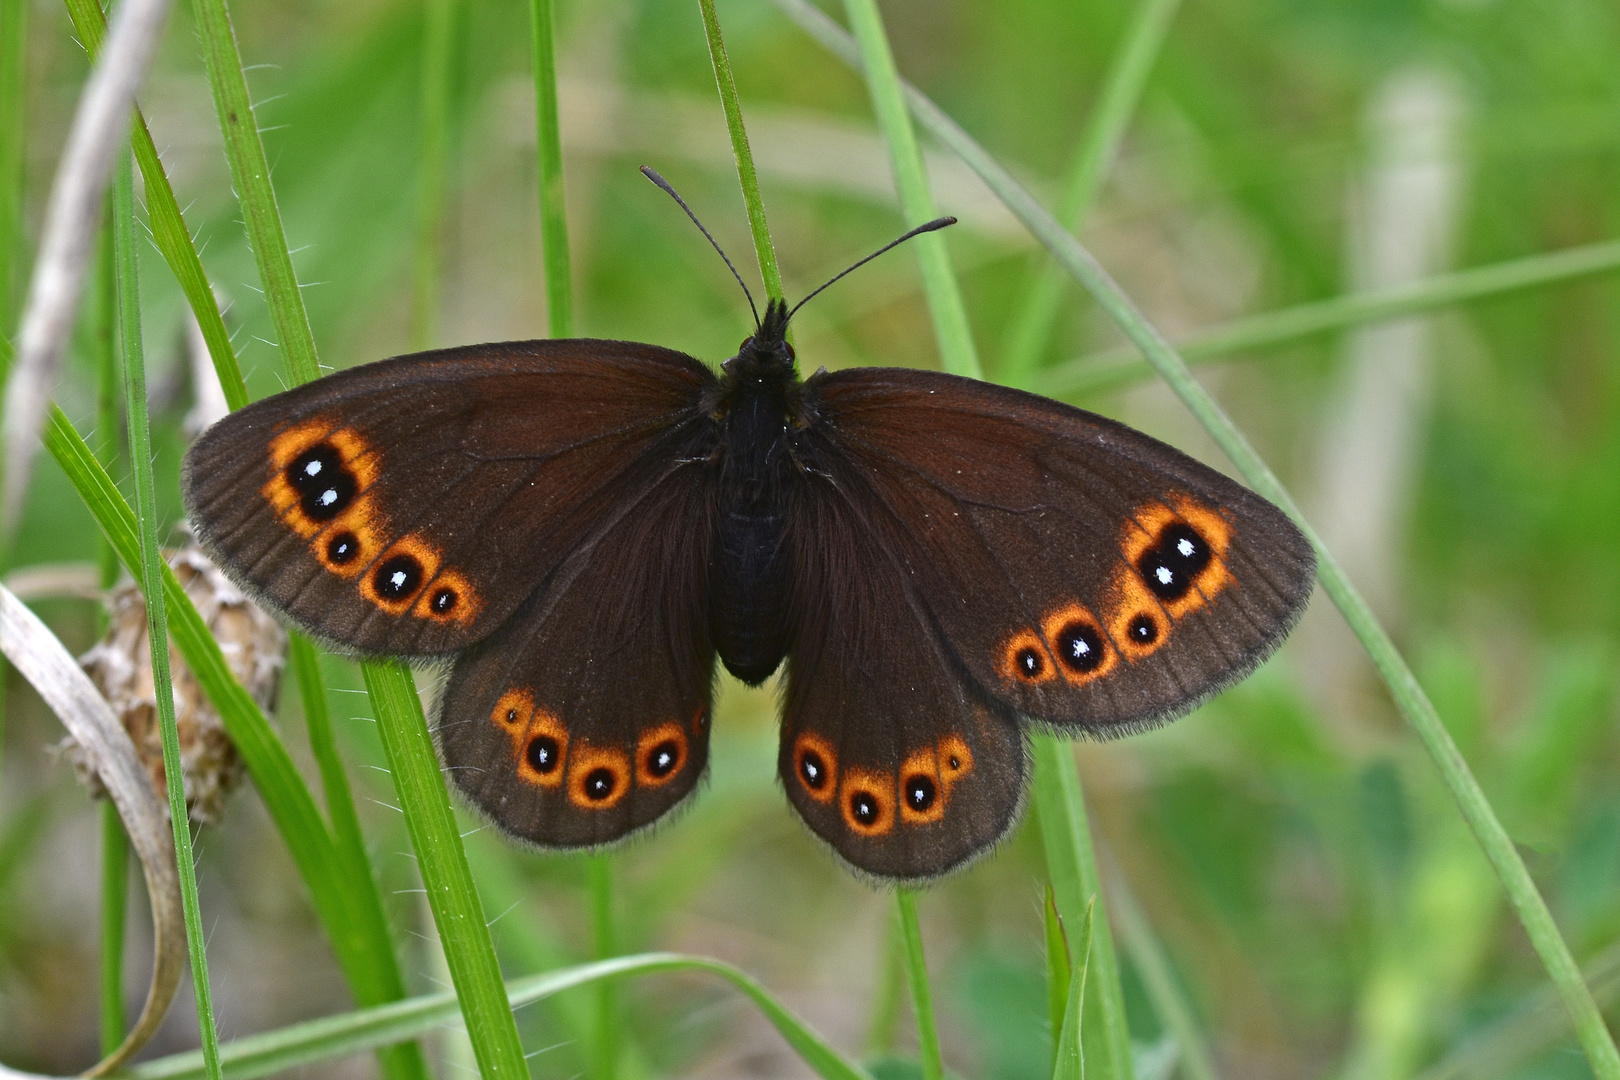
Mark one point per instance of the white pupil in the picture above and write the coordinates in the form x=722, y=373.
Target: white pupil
x=1080, y=647
x=664, y=760
x=1186, y=548
x=329, y=496
x=1164, y=575
x=811, y=770
x=313, y=468
x=397, y=579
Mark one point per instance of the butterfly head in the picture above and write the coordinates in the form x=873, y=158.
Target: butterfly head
x=765, y=354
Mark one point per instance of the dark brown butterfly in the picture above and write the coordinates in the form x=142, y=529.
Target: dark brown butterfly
x=585, y=525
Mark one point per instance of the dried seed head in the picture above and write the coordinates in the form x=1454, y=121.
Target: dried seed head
x=255, y=649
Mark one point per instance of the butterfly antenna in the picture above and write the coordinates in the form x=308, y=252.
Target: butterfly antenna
x=652, y=174
x=937, y=223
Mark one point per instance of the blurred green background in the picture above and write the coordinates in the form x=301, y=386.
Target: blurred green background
x=1324, y=908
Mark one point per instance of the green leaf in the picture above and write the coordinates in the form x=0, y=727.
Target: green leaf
x=1071, y=1062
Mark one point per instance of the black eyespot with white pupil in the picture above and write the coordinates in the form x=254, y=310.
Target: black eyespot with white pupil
x=398, y=577
x=863, y=807
x=599, y=784
x=664, y=758
x=543, y=751
x=920, y=793
x=1143, y=630
x=324, y=484
x=1080, y=647
x=444, y=601
x=1171, y=566
x=1029, y=662
x=812, y=770
x=342, y=548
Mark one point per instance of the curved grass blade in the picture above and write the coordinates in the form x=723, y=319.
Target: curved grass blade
x=364, y=1029
x=344, y=895
x=1419, y=712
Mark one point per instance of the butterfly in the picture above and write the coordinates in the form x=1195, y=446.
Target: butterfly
x=583, y=527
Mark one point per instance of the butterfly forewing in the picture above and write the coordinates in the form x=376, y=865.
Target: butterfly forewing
x=409, y=506
x=1081, y=573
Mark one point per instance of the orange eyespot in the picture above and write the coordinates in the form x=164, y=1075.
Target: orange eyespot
x=598, y=776
x=867, y=801
x=400, y=574
x=1024, y=660
x=1137, y=623
x=955, y=760
x=815, y=765
x=541, y=742
x=448, y=599
x=922, y=791
x=660, y=754
x=1178, y=554
x=318, y=471
x=1077, y=640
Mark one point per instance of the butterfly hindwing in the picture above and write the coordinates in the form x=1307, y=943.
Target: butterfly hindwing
x=1081, y=573
x=409, y=507
x=888, y=752
x=586, y=717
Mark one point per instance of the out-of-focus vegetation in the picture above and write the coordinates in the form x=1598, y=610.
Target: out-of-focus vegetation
x=1324, y=909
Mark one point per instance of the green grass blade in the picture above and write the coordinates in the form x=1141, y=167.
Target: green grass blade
x=151, y=578
x=169, y=230
x=922, y=1003
x=114, y=902
x=442, y=860
x=423, y=798
x=432, y=166
x=746, y=175
x=553, y=209
x=1112, y=368
x=1071, y=864
x=363, y=1029
x=957, y=352
x=1031, y=325
x=251, y=173
x=1419, y=712
x=1070, y=1063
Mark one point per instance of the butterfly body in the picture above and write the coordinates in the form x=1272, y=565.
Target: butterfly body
x=586, y=526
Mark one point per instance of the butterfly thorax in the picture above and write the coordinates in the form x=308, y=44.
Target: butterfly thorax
x=759, y=408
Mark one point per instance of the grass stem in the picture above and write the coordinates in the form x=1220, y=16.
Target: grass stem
x=922, y=1003
x=764, y=250
x=114, y=906
x=432, y=167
